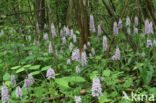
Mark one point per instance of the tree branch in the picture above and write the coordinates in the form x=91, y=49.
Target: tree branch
x=25, y=12
x=128, y=37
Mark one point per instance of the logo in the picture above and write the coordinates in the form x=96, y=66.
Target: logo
x=138, y=97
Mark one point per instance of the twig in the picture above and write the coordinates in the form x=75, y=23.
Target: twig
x=25, y=12
x=149, y=9
x=128, y=37
x=124, y=10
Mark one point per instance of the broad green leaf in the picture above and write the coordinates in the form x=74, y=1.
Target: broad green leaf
x=16, y=67
x=27, y=66
x=93, y=74
x=106, y=73
x=75, y=79
x=38, y=91
x=45, y=68
x=77, y=32
x=65, y=80
x=34, y=67
x=31, y=57
x=35, y=73
x=62, y=82
x=20, y=70
x=148, y=77
x=104, y=98
x=6, y=77
x=8, y=83
x=138, y=65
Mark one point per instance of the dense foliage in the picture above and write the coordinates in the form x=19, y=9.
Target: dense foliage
x=51, y=58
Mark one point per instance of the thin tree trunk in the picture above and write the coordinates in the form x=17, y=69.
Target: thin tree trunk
x=69, y=15
x=40, y=16
x=82, y=21
x=124, y=10
x=85, y=20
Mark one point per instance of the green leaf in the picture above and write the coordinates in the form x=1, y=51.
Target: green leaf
x=20, y=70
x=8, y=83
x=98, y=58
x=6, y=77
x=27, y=66
x=148, y=77
x=62, y=82
x=16, y=67
x=77, y=32
x=104, y=98
x=65, y=80
x=106, y=73
x=38, y=91
x=45, y=68
x=75, y=79
x=35, y=73
x=31, y=57
x=93, y=74
x=34, y=67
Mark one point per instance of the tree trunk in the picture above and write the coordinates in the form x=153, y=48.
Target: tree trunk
x=82, y=21
x=69, y=15
x=40, y=16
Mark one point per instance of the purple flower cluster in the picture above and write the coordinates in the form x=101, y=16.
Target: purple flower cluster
x=115, y=28
x=71, y=46
x=92, y=25
x=74, y=38
x=143, y=54
x=149, y=43
x=53, y=31
x=117, y=54
x=83, y=59
x=135, y=25
x=77, y=70
x=120, y=24
x=136, y=21
x=63, y=40
x=26, y=84
x=28, y=81
x=135, y=30
x=96, y=88
x=92, y=51
x=37, y=27
x=67, y=31
x=129, y=30
x=31, y=79
x=4, y=94
x=29, y=37
x=50, y=47
x=68, y=61
x=50, y=74
x=99, y=30
x=84, y=47
x=154, y=42
x=148, y=27
x=76, y=55
x=45, y=36
x=13, y=80
x=128, y=21
x=18, y=92
x=61, y=32
x=104, y=43
x=88, y=43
